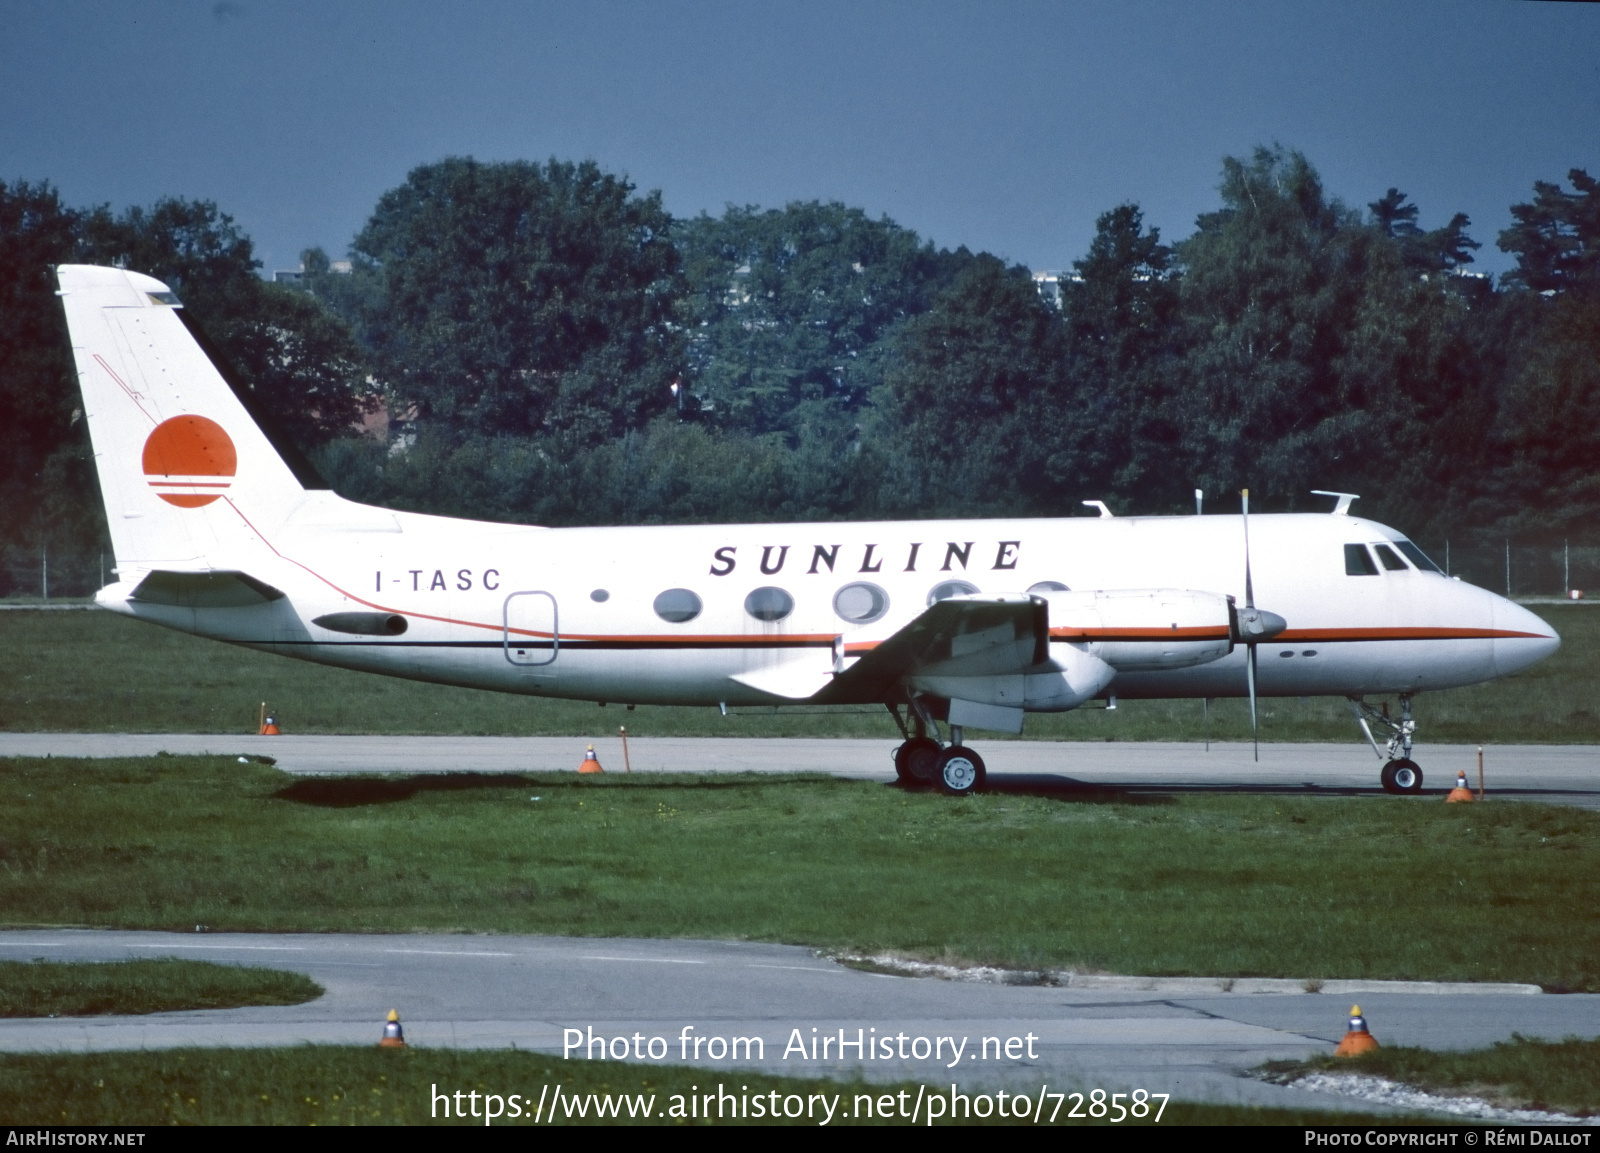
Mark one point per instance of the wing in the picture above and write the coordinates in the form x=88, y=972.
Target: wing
x=968, y=636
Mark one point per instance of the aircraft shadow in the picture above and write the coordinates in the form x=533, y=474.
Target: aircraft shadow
x=352, y=792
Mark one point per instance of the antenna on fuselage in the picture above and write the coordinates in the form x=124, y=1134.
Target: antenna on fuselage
x=1344, y=499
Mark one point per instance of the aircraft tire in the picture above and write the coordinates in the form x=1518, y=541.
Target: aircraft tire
x=961, y=772
x=916, y=761
x=1402, y=776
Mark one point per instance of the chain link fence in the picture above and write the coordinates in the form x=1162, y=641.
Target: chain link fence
x=1516, y=570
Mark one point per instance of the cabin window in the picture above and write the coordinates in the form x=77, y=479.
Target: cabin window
x=860, y=603
x=1358, y=561
x=677, y=606
x=1387, y=556
x=769, y=604
x=1048, y=587
x=1417, y=557
x=944, y=590
x=599, y=596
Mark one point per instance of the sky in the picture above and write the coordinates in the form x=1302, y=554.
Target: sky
x=1004, y=127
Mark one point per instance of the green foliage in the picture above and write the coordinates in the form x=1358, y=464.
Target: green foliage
x=524, y=298
x=974, y=397
x=792, y=307
x=1273, y=288
x=1122, y=361
x=1557, y=237
x=156, y=985
x=48, y=497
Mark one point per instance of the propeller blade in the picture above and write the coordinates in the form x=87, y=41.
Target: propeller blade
x=1255, y=625
x=1249, y=589
x=1250, y=681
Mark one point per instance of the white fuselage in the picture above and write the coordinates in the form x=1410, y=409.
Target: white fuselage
x=570, y=612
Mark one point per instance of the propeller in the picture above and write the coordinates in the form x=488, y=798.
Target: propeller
x=1255, y=625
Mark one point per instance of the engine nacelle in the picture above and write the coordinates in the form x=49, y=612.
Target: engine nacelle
x=1078, y=676
x=1141, y=629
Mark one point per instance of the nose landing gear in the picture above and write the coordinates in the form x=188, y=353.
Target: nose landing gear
x=1400, y=773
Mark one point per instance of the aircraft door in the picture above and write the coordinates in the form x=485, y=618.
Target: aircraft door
x=532, y=629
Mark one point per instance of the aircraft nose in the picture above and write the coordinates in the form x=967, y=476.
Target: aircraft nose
x=1530, y=638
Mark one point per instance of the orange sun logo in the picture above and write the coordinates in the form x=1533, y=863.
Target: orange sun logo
x=190, y=461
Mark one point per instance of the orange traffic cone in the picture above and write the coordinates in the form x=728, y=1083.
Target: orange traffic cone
x=1357, y=1040
x=1460, y=795
x=590, y=762
x=393, y=1038
x=269, y=727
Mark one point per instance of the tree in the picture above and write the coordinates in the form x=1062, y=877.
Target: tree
x=972, y=403
x=47, y=493
x=1556, y=238
x=1440, y=250
x=1272, y=285
x=792, y=309
x=523, y=298
x=1122, y=331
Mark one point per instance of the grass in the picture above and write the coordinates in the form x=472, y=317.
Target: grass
x=329, y=1085
x=97, y=672
x=157, y=985
x=1095, y=881
x=1561, y=1076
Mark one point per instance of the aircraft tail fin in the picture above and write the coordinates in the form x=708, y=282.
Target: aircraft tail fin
x=190, y=478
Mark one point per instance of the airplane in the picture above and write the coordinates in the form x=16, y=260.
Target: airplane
x=222, y=529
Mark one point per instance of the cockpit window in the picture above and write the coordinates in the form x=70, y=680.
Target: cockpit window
x=1358, y=561
x=1387, y=556
x=1417, y=557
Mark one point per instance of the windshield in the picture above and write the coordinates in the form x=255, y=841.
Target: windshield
x=1417, y=557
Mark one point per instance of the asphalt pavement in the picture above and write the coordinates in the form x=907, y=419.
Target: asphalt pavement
x=549, y=994
x=1554, y=774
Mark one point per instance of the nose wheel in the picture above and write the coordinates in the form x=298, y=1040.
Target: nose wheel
x=1400, y=774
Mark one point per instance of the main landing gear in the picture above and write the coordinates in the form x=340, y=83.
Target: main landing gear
x=1400, y=773
x=925, y=760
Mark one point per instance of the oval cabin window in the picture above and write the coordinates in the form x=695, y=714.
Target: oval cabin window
x=860, y=603
x=677, y=606
x=769, y=604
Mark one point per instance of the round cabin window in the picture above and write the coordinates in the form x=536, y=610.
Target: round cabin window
x=769, y=604
x=677, y=606
x=860, y=603
x=947, y=589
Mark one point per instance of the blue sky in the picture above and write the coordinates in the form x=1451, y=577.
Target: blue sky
x=1004, y=127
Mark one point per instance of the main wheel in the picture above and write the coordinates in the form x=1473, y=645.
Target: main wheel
x=915, y=762
x=960, y=771
x=1402, y=776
